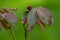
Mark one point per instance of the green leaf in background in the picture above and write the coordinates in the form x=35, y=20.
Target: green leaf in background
x=50, y=33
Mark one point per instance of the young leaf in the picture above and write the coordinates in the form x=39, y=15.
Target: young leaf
x=44, y=14
x=32, y=18
x=10, y=17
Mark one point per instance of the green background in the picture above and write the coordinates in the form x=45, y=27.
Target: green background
x=50, y=33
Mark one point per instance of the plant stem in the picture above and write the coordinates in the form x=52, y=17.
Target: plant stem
x=26, y=32
x=25, y=35
x=12, y=33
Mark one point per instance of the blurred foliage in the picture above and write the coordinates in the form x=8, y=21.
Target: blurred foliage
x=50, y=33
